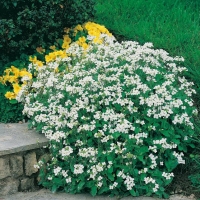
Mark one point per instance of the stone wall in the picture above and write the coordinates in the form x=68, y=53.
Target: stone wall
x=17, y=172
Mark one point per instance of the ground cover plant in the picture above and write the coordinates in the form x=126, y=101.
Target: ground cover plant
x=118, y=117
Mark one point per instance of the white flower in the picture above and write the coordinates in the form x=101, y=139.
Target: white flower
x=78, y=169
x=66, y=151
x=129, y=182
x=167, y=175
x=87, y=152
x=57, y=170
x=68, y=180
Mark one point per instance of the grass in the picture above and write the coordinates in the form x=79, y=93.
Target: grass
x=172, y=25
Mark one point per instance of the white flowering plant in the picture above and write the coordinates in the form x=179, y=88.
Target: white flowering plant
x=119, y=120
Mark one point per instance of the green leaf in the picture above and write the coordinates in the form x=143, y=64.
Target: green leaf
x=94, y=190
x=110, y=170
x=118, y=107
x=182, y=147
x=89, y=184
x=176, y=141
x=192, y=145
x=133, y=193
x=116, y=135
x=54, y=188
x=15, y=4
x=165, y=133
x=137, y=130
x=110, y=176
x=141, y=158
x=110, y=157
x=80, y=185
x=171, y=164
x=13, y=101
x=143, y=150
x=103, y=190
x=165, y=195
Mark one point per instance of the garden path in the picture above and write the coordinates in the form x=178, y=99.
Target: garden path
x=47, y=195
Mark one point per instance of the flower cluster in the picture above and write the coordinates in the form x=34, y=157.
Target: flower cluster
x=117, y=122
x=14, y=78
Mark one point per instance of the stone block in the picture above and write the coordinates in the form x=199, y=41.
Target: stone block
x=16, y=165
x=8, y=186
x=45, y=157
x=27, y=183
x=30, y=161
x=4, y=168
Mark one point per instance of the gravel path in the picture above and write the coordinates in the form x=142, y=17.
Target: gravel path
x=44, y=194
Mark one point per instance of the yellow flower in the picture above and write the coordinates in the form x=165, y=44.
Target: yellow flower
x=94, y=32
x=56, y=70
x=15, y=70
x=85, y=45
x=47, y=58
x=63, y=54
x=93, y=27
x=6, y=78
x=53, y=47
x=50, y=57
x=1, y=80
x=32, y=59
x=13, y=79
x=65, y=45
x=97, y=40
x=78, y=28
x=7, y=71
x=67, y=39
x=82, y=39
x=39, y=63
x=10, y=95
x=16, y=88
x=24, y=72
x=87, y=25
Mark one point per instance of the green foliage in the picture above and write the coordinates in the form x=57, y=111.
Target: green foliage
x=195, y=174
x=9, y=111
x=25, y=25
x=118, y=123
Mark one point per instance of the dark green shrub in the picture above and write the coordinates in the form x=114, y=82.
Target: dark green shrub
x=25, y=25
x=9, y=112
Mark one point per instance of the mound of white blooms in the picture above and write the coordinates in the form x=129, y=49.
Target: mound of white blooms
x=118, y=117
